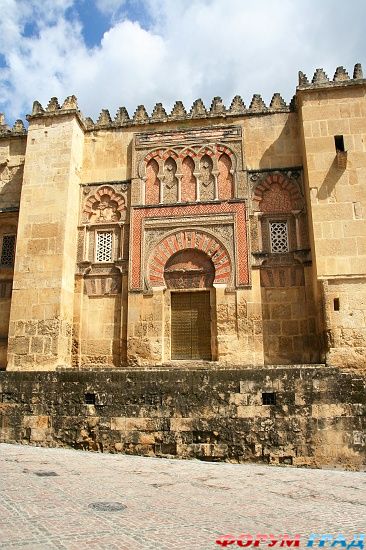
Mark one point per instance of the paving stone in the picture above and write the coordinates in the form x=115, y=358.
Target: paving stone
x=170, y=504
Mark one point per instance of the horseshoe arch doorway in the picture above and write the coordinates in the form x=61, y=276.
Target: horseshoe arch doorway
x=189, y=275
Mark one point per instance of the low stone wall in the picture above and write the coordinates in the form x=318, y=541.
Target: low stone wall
x=301, y=415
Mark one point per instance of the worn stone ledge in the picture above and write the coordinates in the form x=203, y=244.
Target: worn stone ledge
x=317, y=416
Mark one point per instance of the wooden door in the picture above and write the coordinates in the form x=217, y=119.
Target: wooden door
x=191, y=325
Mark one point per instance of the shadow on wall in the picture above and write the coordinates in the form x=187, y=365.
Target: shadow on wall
x=129, y=161
x=3, y=352
x=331, y=179
x=118, y=349
x=287, y=144
x=11, y=185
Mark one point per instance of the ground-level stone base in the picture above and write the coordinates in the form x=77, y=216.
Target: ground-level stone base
x=302, y=415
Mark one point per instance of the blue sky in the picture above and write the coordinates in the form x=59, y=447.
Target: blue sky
x=94, y=23
x=111, y=53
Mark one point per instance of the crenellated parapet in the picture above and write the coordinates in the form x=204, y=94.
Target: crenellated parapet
x=198, y=110
x=141, y=117
x=69, y=106
x=18, y=128
x=321, y=80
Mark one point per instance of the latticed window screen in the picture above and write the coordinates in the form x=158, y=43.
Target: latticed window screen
x=104, y=246
x=279, y=236
x=7, y=250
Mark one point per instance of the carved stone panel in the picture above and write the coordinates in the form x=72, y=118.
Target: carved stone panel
x=104, y=205
x=102, y=286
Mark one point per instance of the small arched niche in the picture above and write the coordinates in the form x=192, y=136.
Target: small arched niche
x=152, y=192
x=189, y=269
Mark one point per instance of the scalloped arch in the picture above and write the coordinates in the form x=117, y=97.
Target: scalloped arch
x=100, y=192
x=291, y=195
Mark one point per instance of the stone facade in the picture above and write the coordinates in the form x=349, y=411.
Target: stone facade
x=231, y=235
x=112, y=219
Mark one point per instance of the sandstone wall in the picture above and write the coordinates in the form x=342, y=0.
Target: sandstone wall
x=317, y=415
x=289, y=327
x=100, y=338
x=336, y=197
x=42, y=302
x=336, y=192
x=345, y=316
x=12, y=153
x=107, y=156
x=271, y=141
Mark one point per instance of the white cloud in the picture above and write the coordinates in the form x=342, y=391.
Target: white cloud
x=195, y=48
x=109, y=7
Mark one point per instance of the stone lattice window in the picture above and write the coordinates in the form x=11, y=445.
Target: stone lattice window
x=7, y=250
x=278, y=232
x=104, y=246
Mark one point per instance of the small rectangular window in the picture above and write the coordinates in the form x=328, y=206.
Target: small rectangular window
x=278, y=237
x=104, y=246
x=339, y=143
x=269, y=398
x=336, y=304
x=7, y=250
x=89, y=398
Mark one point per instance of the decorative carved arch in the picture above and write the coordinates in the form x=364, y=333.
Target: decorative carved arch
x=169, y=153
x=153, y=154
x=152, y=182
x=162, y=154
x=188, y=181
x=170, y=180
x=226, y=150
x=186, y=239
x=209, y=151
x=225, y=177
x=188, y=152
x=189, y=268
x=105, y=205
x=276, y=193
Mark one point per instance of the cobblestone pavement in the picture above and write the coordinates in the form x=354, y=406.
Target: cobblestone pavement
x=50, y=499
